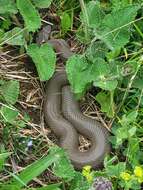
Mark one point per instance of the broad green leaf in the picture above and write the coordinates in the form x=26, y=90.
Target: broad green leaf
x=97, y=49
x=65, y=22
x=93, y=13
x=101, y=70
x=116, y=4
x=106, y=84
x=78, y=73
x=81, y=73
x=115, y=170
x=8, y=6
x=44, y=58
x=115, y=29
x=14, y=37
x=138, y=83
x=107, y=105
x=42, y=3
x=3, y=157
x=121, y=135
x=10, y=91
x=36, y=168
x=30, y=15
x=79, y=182
x=102, y=75
x=128, y=118
x=133, y=151
x=9, y=115
x=64, y=169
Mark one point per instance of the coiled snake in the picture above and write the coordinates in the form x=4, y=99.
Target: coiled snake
x=63, y=116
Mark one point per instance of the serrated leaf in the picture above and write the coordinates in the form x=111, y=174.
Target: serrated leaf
x=116, y=4
x=115, y=28
x=42, y=3
x=30, y=15
x=106, y=84
x=106, y=104
x=97, y=49
x=93, y=13
x=78, y=73
x=79, y=182
x=44, y=58
x=14, y=37
x=9, y=115
x=7, y=6
x=63, y=168
x=65, y=22
x=81, y=73
x=129, y=118
x=133, y=151
x=62, y=165
x=115, y=170
x=10, y=91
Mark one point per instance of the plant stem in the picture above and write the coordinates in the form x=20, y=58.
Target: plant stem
x=85, y=15
x=128, y=87
x=139, y=100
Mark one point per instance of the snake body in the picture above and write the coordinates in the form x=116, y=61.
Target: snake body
x=63, y=116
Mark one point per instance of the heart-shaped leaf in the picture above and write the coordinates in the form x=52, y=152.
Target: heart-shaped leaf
x=44, y=58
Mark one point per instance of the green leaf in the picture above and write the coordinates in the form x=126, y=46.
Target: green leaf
x=128, y=118
x=81, y=73
x=3, y=158
x=10, y=91
x=78, y=73
x=107, y=105
x=30, y=15
x=79, y=182
x=14, y=37
x=106, y=84
x=63, y=168
x=44, y=58
x=8, y=7
x=121, y=135
x=65, y=22
x=97, y=48
x=36, y=168
x=138, y=83
x=9, y=187
x=93, y=13
x=115, y=29
x=133, y=151
x=8, y=114
x=115, y=170
x=42, y=3
x=116, y=4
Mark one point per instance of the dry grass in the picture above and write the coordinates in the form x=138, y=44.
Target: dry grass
x=18, y=67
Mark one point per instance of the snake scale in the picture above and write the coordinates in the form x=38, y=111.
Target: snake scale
x=63, y=116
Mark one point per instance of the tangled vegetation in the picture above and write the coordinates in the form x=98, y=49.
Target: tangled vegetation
x=107, y=36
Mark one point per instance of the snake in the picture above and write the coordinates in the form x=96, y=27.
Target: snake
x=63, y=115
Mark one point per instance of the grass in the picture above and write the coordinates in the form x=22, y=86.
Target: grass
x=25, y=138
